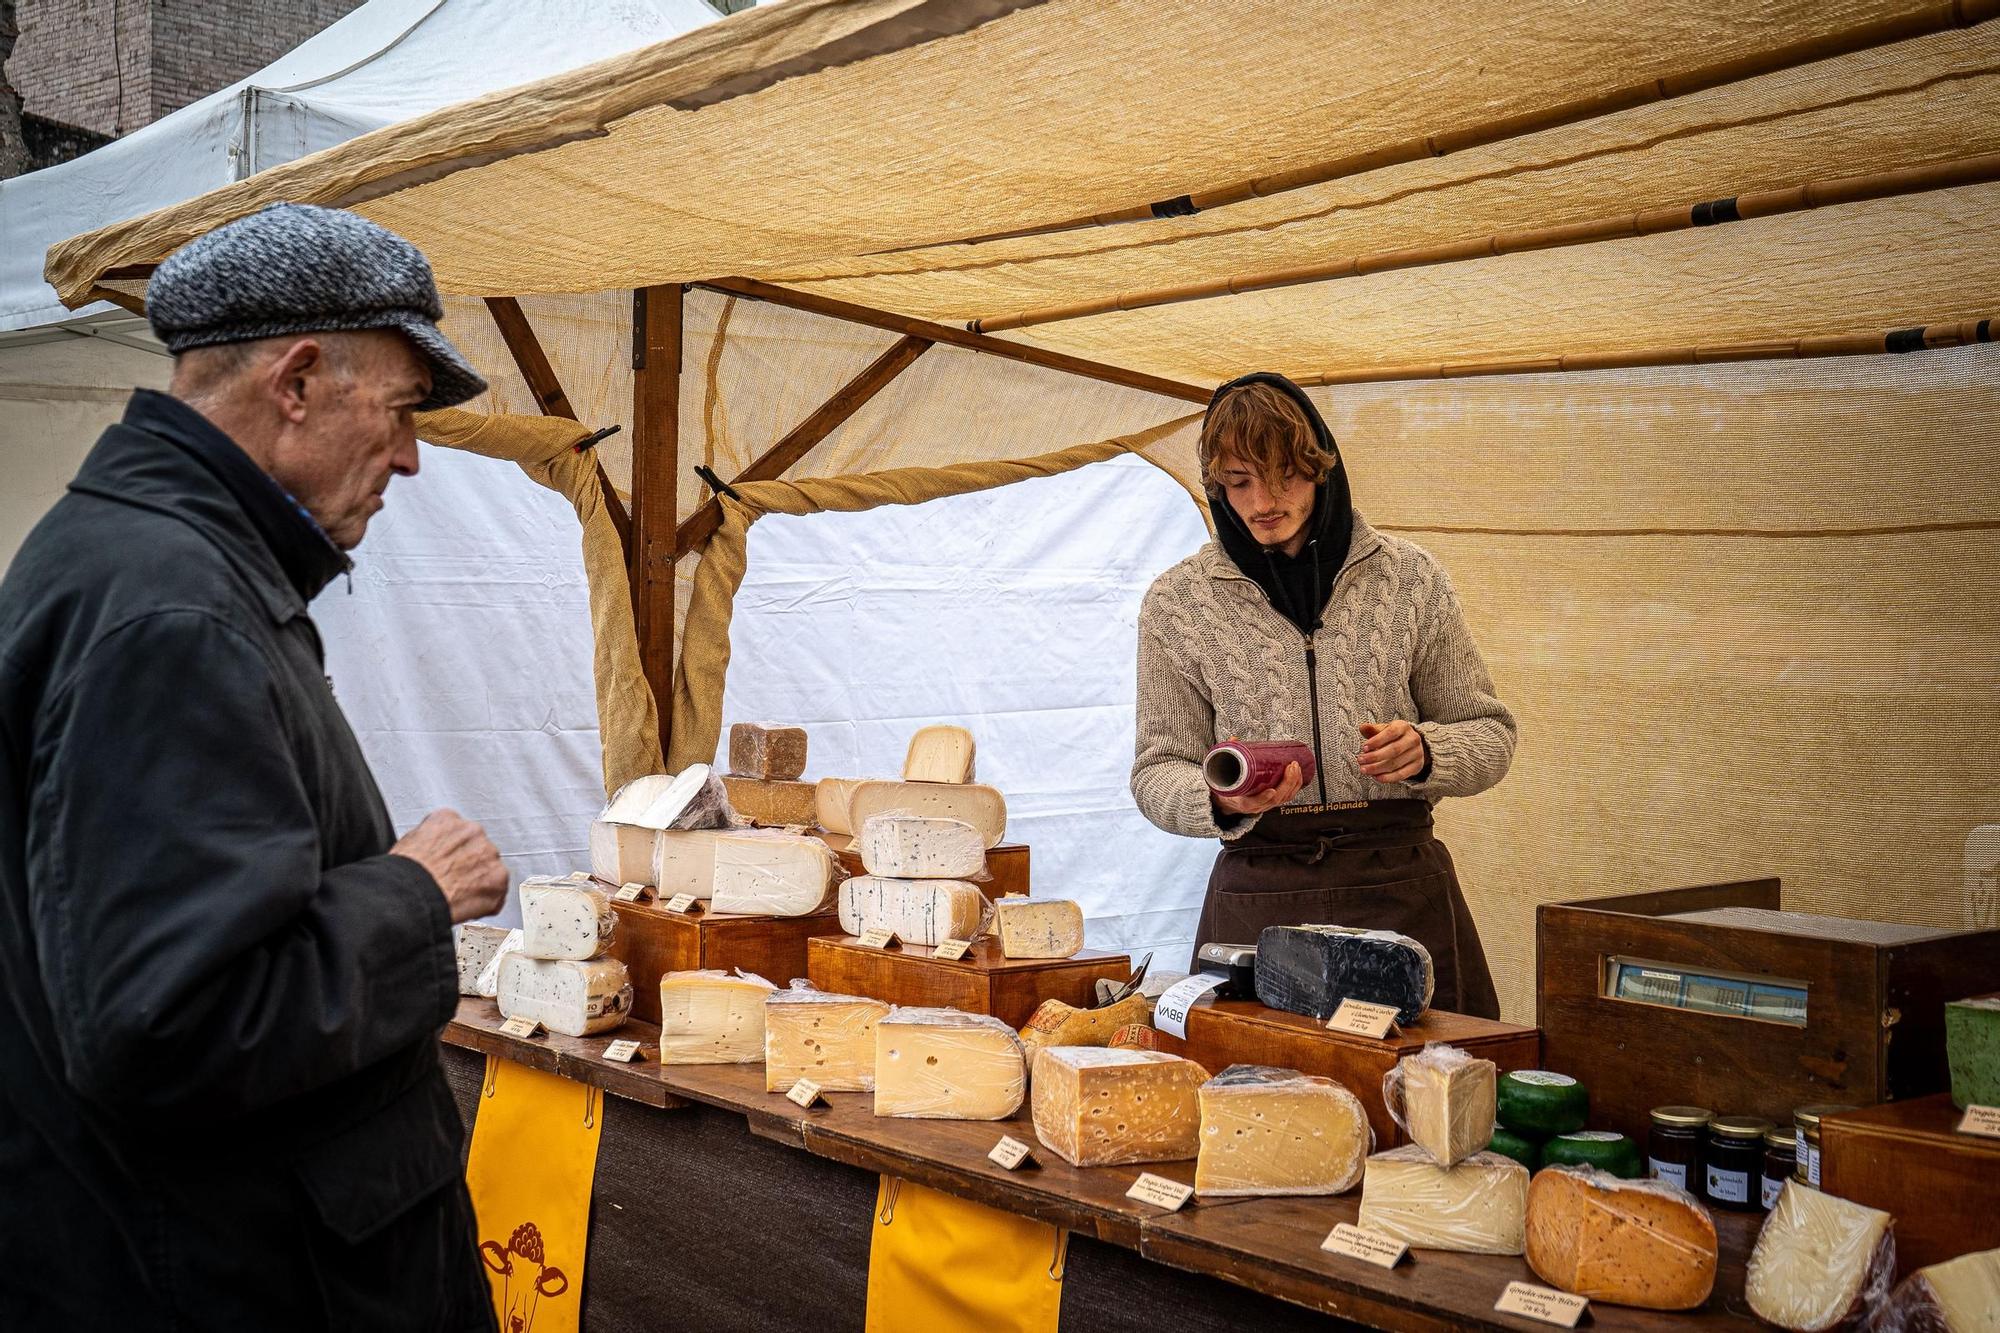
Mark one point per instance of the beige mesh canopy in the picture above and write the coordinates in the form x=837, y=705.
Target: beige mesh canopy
x=1746, y=605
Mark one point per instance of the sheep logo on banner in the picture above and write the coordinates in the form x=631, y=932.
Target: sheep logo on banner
x=539, y=1279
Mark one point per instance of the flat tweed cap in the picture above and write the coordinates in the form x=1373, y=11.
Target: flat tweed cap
x=296, y=269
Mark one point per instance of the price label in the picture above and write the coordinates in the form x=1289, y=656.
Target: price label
x=879, y=938
x=1011, y=1153
x=1544, y=1303
x=952, y=950
x=681, y=902
x=521, y=1027
x=1362, y=1019
x=624, y=1052
x=1170, y=1011
x=805, y=1092
x=1368, y=1246
x=1160, y=1192
x=1981, y=1120
x=630, y=893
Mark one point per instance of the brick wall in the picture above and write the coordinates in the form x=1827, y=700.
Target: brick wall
x=202, y=45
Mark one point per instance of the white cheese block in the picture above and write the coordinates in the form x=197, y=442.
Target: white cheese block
x=566, y=996
x=1960, y=1295
x=621, y=853
x=1820, y=1263
x=1038, y=927
x=684, y=859
x=1479, y=1206
x=830, y=797
x=920, y=911
x=774, y=874
x=944, y=1064
x=1277, y=1131
x=563, y=918
x=476, y=946
x=712, y=1017
x=1444, y=1099
x=827, y=1038
x=692, y=798
x=982, y=807
x=921, y=847
x=1097, y=1106
x=940, y=754
x=488, y=984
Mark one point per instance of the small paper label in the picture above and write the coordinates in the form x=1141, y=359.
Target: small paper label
x=1160, y=1192
x=521, y=1027
x=879, y=938
x=630, y=893
x=1170, y=1011
x=1732, y=1186
x=624, y=1052
x=680, y=902
x=1674, y=1173
x=1981, y=1120
x=1362, y=1019
x=952, y=950
x=1368, y=1246
x=1011, y=1153
x=1543, y=1303
x=805, y=1092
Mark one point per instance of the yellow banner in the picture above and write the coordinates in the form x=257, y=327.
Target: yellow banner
x=534, y=1156
x=939, y=1262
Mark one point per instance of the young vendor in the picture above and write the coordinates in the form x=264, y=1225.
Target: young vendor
x=1300, y=622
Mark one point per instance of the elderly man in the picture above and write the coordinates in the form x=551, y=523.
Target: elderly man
x=222, y=976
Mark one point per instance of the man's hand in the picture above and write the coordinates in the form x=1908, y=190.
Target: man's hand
x=462, y=859
x=1391, y=751
x=1256, y=803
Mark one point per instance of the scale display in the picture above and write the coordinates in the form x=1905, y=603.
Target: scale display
x=1706, y=991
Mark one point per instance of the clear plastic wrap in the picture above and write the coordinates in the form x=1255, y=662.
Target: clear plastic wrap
x=1820, y=1263
x=920, y=911
x=830, y=796
x=622, y=853
x=945, y=1064
x=1960, y=1295
x=566, y=918
x=980, y=806
x=684, y=859
x=1277, y=1131
x=1479, y=1206
x=567, y=996
x=691, y=799
x=1094, y=1106
x=827, y=1038
x=712, y=1017
x=476, y=946
x=1443, y=1099
x=901, y=845
x=767, y=751
x=1625, y=1242
x=771, y=874
x=1310, y=969
x=1038, y=927
x=940, y=754
x=488, y=984
x=764, y=803
x=1056, y=1023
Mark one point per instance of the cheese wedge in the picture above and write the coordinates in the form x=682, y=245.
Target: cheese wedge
x=1277, y=1131
x=1055, y=1023
x=1479, y=1206
x=1623, y=1242
x=944, y=1064
x=982, y=807
x=568, y=997
x=940, y=754
x=1095, y=1106
x=830, y=799
x=927, y=911
x=1960, y=1295
x=921, y=847
x=476, y=946
x=692, y=798
x=1820, y=1263
x=564, y=918
x=684, y=859
x=1444, y=1099
x=771, y=875
x=621, y=853
x=488, y=984
x=766, y=750
x=711, y=1017
x=1310, y=969
x=1038, y=927
x=829, y=1039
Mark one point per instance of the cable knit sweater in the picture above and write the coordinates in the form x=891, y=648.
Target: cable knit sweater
x=1217, y=661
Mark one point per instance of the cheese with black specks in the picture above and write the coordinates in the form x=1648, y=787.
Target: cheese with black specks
x=919, y=911
x=566, y=918
x=567, y=996
x=1038, y=927
x=921, y=847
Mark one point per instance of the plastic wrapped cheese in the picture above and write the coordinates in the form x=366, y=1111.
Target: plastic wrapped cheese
x=566, y=918
x=766, y=750
x=621, y=853
x=1624, y=1242
x=1056, y=1023
x=773, y=804
x=1960, y=1295
x=1443, y=1099
x=1820, y=1263
x=1095, y=1106
x=1479, y=1206
x=1277, y=1131
x=1038, y=927
x=476, y=947
x=1310, y=969
x=711, y=1017
x=982, y=807
x=940, y=754
x=830, y=798
x=827, y=1038
x=692, y=798
x=902, y=846
x=772, y=874
x=684, y=859
x=566, y=996
x=945, y=1064
x=919, y=911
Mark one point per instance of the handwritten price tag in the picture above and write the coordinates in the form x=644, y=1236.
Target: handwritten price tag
x=1362, y=1019
x=1368, y=1246
x=624, y=1052
x=681, y=902
x=1160, y=1192
x=521, y=1027
x=1981, y=1120
x=879, y=938
x=1543, y=1303
x=806, y=1093
x=631, y=893
x=952, y=950
x=1011, y=1153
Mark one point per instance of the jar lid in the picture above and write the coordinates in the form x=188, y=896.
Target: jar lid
x=1810, y=1115
x=1781, y=1138
x=1681, y=1115
x=1740, y=1127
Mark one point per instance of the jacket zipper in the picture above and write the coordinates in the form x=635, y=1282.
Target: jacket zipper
x=1312, y=693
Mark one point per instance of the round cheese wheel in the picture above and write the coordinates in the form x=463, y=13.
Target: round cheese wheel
x=1523, y=1148
x=1536, y=1101
x=1601, y=1148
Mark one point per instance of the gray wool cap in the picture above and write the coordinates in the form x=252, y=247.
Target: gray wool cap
x=296, y=269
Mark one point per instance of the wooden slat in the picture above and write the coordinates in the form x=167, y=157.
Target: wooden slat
x=579, y=1059
x=656, y=424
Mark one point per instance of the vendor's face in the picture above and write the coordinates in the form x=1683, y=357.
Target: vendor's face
x=1274, y=517
x=353, y=431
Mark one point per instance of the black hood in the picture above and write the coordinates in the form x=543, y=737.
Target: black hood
x=1299, y=585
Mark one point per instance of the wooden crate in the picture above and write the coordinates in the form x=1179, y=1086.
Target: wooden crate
x=1908, y=1159
x=1874, y=1004
x=1007, y=864
x=1221, y=1033
x=983, y=982
x=653, y=941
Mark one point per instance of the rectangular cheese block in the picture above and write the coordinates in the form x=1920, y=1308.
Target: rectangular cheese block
x=1961, y=1295
x=771, y=875
x=982, y=807
x=920, y=911
x=1479, y=1206
x=566, y=996
x=830, y=798
x=1277, y=1131
x=621, y=853
x=921, y=847
x=1094, y=1106
x=766, y=750
x=1056, y=1023
x=1820, y=1263
x=684, y=859
x=1038, y=927
x=940, y=754
x=712, y=1017
x=945, y=1064
x=1310, y=969
x=1624, y=1242
x=1444, y=1100
x=774, y=804
x=1972, y=1050
x=476, y=947
x=562, y=918
x=827, y=1038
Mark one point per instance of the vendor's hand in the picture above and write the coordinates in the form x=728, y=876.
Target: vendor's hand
x=1256, y=803
x=462, y=859
x=1391, y=751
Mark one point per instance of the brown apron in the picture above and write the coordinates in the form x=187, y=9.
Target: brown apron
x=1375, y=865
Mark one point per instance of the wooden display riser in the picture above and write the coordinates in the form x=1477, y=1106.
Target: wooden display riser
x=1908, y=1159
x=1007, y=864
x=652, y=941
x=982, y=982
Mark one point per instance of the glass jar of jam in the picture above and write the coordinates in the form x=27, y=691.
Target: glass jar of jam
x=1806, y=1140
x=1733, y=1168
x=1780, y=1154
x=1674, y=1145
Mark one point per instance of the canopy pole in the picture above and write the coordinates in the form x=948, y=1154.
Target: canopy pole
x=799, y=441
x=656, y=429
x=1982, y=169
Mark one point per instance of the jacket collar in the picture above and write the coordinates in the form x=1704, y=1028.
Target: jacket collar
x=1362, y=543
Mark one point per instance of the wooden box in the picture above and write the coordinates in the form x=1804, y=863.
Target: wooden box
x=1908, y=1159
x=1007, y=864
x=1221, y=1033
x=653, y=941
x=1771, y=1010
x=983, y=982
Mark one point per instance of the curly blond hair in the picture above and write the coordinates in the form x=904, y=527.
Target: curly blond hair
x=1262, y=427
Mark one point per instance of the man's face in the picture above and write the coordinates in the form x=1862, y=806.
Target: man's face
x=355, y=429
x=1275, y=517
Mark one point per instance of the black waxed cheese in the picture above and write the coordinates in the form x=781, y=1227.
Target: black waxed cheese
x=1311, y=969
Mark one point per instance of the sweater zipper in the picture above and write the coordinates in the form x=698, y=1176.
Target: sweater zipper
x=1312, y=693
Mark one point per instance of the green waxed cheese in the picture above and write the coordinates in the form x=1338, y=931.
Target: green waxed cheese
x=1601, y=1148
x=1972, y=1046
x=1523, y=1148
x=1535, y=1101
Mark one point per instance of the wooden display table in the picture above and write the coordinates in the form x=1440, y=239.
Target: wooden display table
x=652, y=941
x=982, y=982
x=1007, y=864
x=1908, y=1159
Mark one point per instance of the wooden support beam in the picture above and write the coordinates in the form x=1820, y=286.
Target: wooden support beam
x=825, y=420
x=656, y=429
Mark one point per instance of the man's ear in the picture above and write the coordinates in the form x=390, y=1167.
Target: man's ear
x=290, y=376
